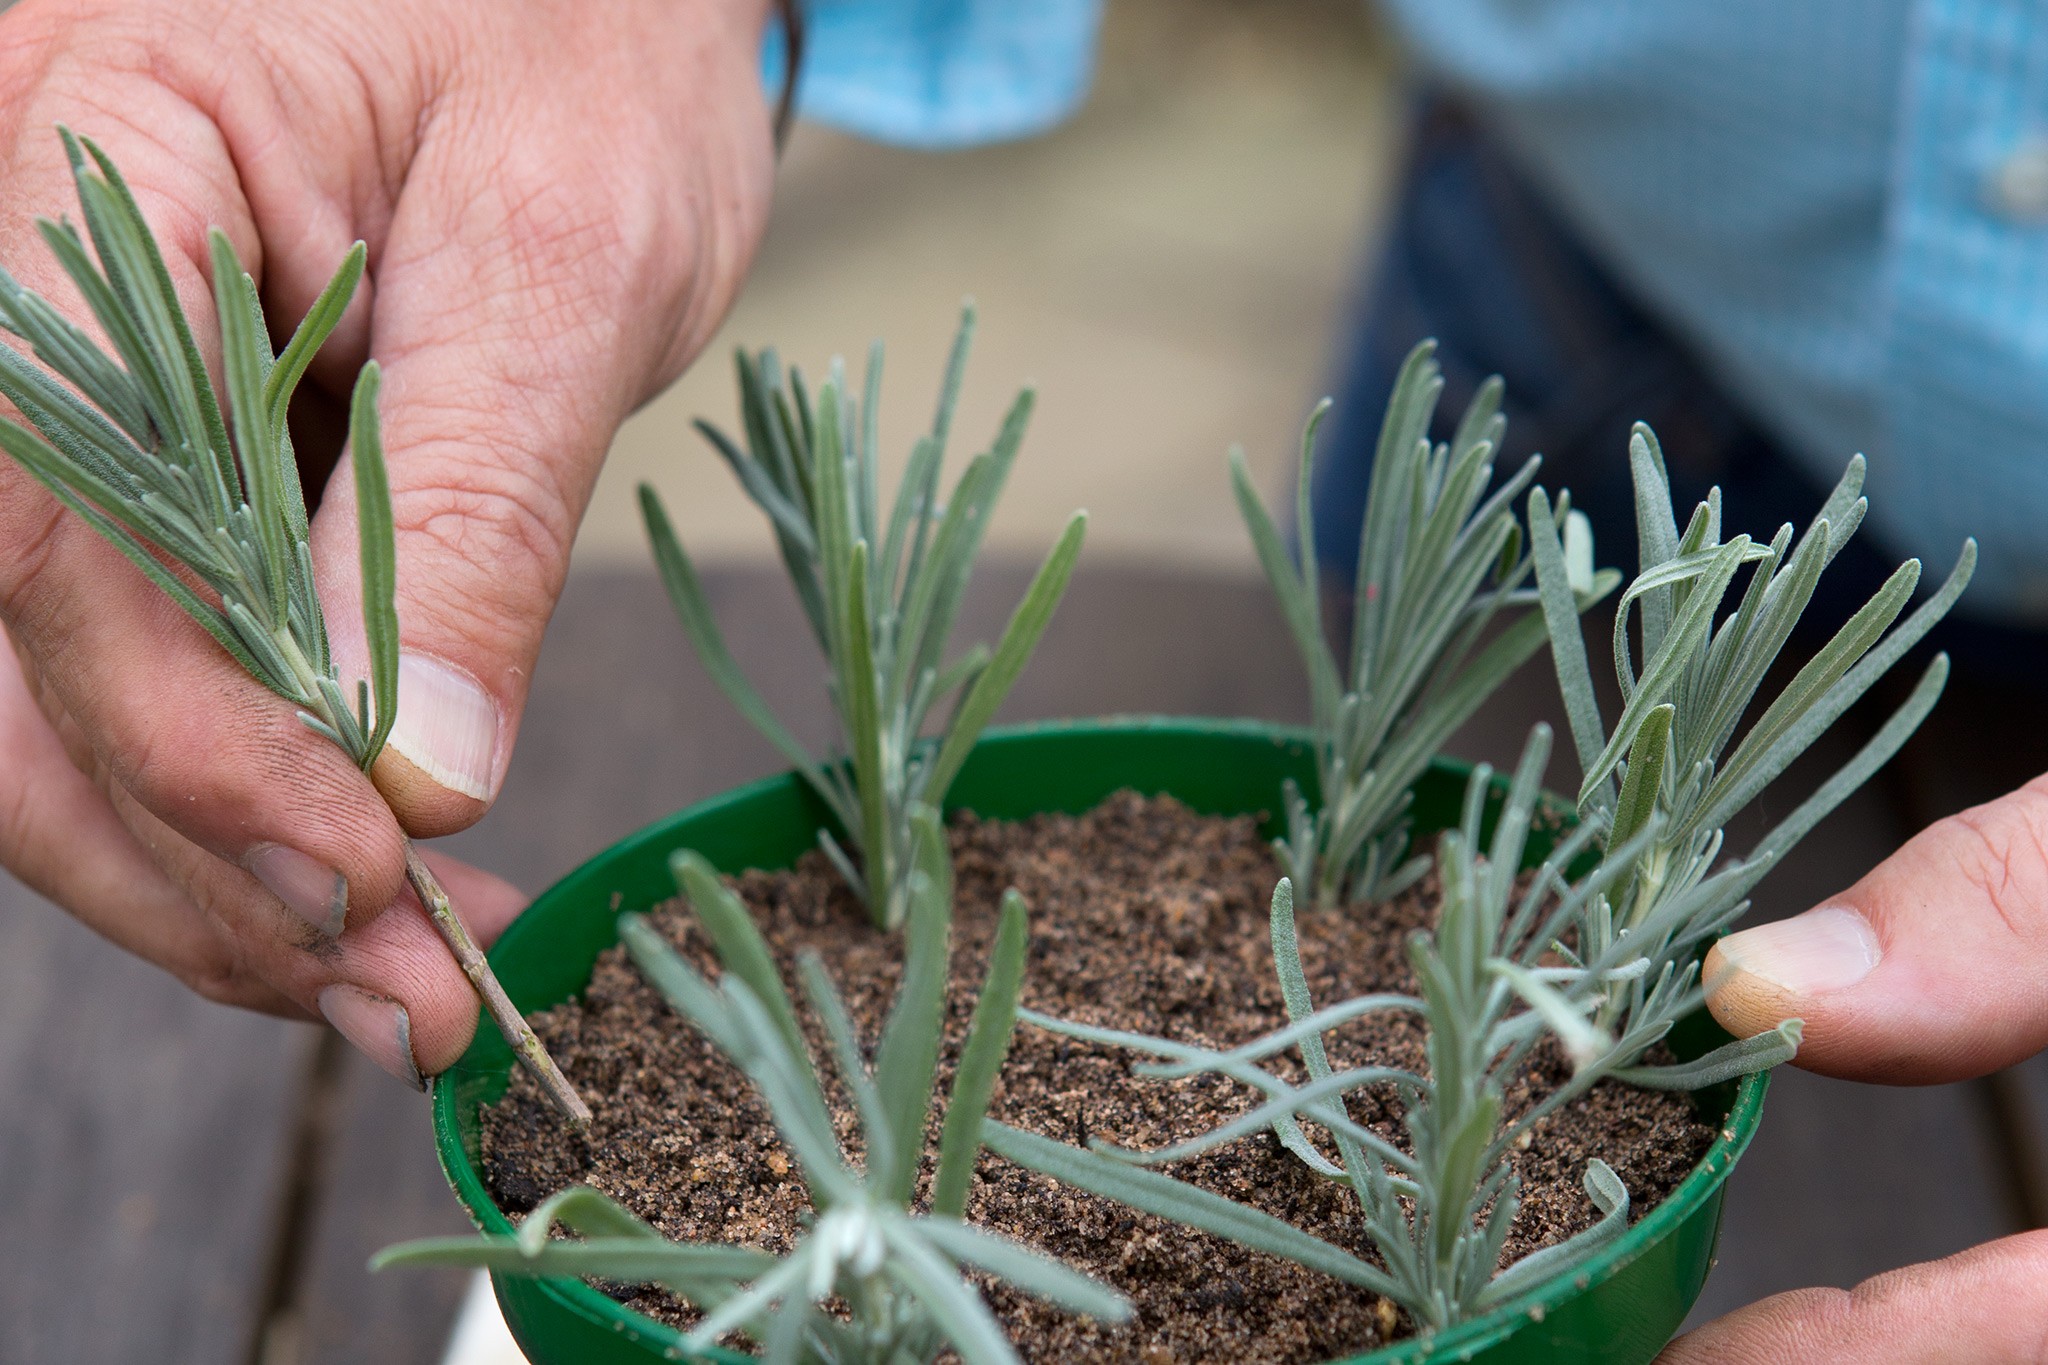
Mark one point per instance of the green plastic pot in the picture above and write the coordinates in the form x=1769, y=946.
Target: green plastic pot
x=1619, y=1309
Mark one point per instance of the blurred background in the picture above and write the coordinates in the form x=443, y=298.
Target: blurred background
x=1168, y=269
x=1176, y=270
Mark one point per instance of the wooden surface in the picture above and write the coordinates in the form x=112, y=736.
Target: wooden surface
x=179, y=1182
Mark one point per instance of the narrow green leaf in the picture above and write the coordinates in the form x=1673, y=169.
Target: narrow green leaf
x=1020, y=637
x=1645, y=777
x=789, y=1085
x=906, y=1062
x=693, y=609
x=1567, y=642
x=312, y=333
x=741, y=949
x=959, y=538
x=1205, y=1059
x=1610, y=1197
x=1293, y=981
x=629, y=1260
x=861, y=710
x=981, y=1060
x=245, y=358
x=122, y=236
x=1687, y=635
x=1875, y=753
x=1296, y=596
x=1304, y=511
x=883, y=1152
x=1657, y=536
x=1022, y=1268
x=956, y=373
x=961, y=1316
x=378, y=552
x=584, y=1210
x=683, y=986
x=1314, y=1101
x=1403, y=445
x=1724, y=1063
x=1151, y=1192
x=912, y=497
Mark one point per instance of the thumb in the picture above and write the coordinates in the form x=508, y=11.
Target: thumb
x=523, y=306
x=1987, y=1305
x=1932, y=968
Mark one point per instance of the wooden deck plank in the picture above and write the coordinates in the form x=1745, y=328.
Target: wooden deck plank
x=376, y=1182
x=142, y=1151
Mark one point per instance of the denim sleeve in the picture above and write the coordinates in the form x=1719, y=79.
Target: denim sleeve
x=942, y=73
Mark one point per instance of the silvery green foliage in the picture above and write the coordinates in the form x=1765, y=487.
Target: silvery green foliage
x=137, y=445
x=897, y=1270
x=881, y=588
x=1439, y=559
x=1673, y=770
x=1438, y=1211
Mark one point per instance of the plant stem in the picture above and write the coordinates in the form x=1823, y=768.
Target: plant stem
x=525, y=1045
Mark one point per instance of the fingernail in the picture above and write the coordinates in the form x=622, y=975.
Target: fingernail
x=1821, y=950
x=447, y=726
x=378, y=1027
x=316, y=894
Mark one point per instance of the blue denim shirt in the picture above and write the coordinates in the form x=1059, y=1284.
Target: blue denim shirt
x=1841, y=204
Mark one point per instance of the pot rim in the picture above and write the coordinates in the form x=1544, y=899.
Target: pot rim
x=580, y=1298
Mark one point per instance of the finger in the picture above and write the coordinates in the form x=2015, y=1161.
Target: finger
x=1934, y=967
x=1988, y=1305
x=528, y=294
x=401, y=956
x=60, y=835
x=389, y=985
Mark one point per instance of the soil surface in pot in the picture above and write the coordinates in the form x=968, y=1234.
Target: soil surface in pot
x=1144, y=916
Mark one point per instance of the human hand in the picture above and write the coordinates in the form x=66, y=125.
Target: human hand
x=559, y=202
x=1932, y=968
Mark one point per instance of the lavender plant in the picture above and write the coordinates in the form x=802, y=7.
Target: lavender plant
x=897, y=1270
x=881, y=590
x=1664, y=782
x=137, y=445
x=1606, y=964
x=1439, y=559
x=1438, y=1211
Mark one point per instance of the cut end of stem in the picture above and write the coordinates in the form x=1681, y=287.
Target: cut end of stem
x=526, y=1044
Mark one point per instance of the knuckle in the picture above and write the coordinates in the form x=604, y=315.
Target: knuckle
x=2000, y=850
x=220, y=979
x=492, y=509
